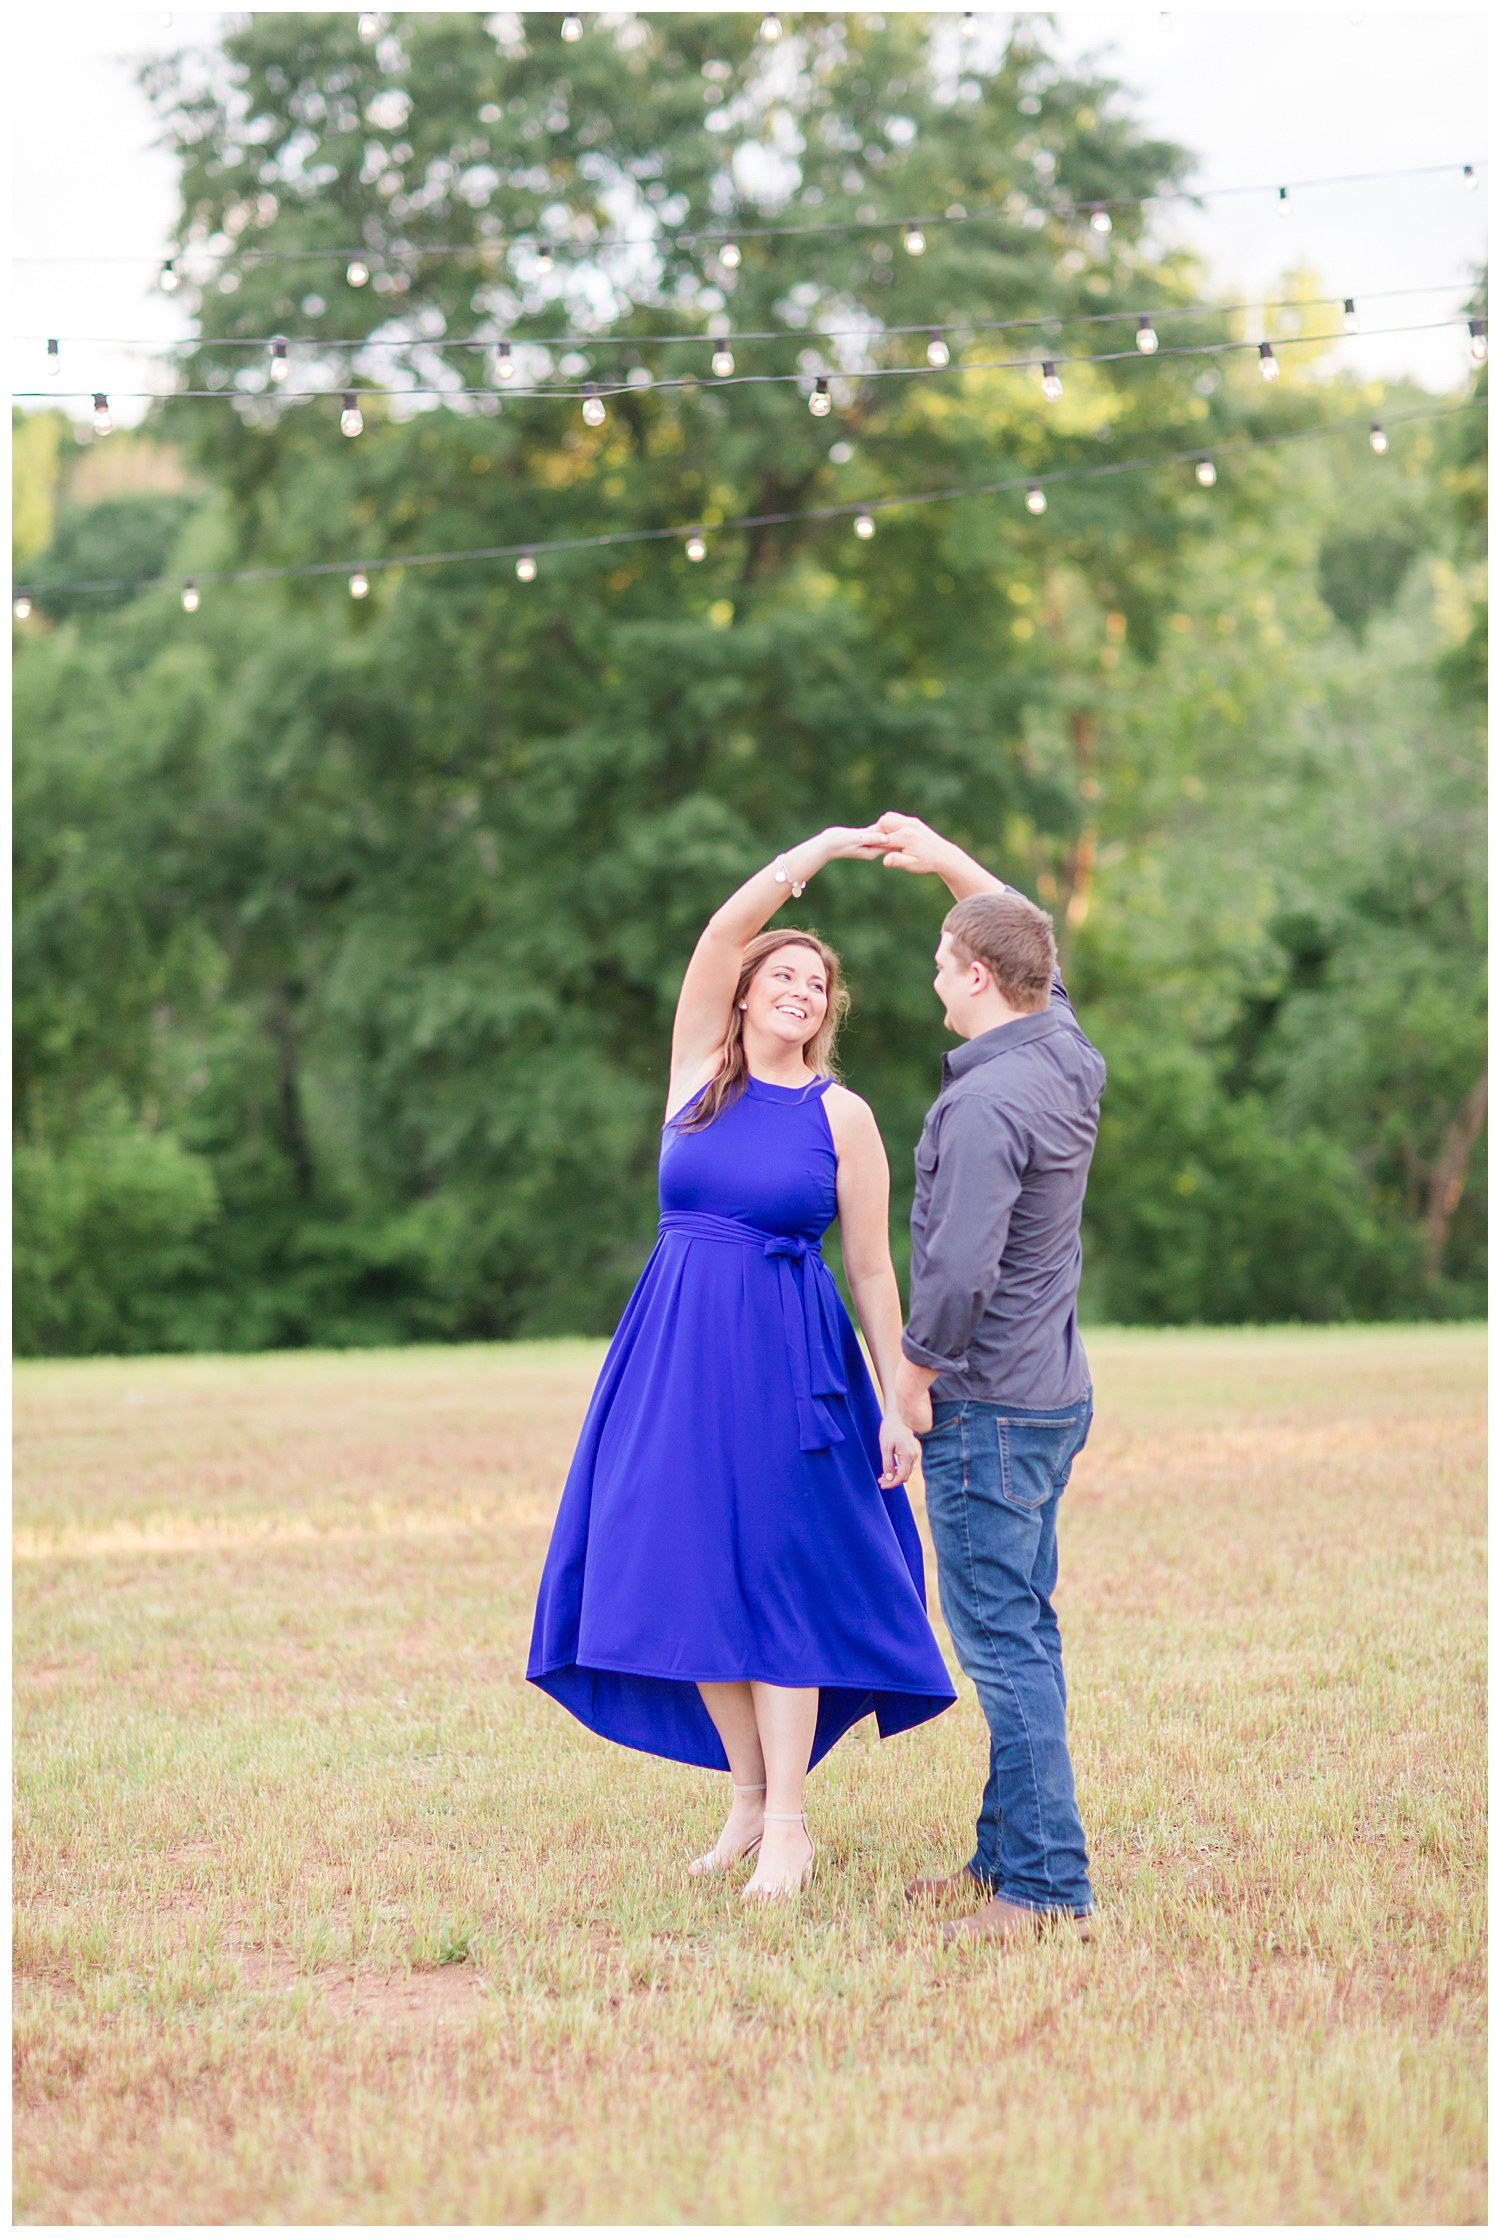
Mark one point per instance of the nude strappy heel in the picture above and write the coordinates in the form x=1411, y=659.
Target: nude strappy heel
x=788, y=1887
x=711, y=1861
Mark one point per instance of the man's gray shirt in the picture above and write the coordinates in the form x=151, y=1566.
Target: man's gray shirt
x=1001, y=1169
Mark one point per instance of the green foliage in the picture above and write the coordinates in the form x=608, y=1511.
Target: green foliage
x=375, y=912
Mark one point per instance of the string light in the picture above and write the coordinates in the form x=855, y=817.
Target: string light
x=543, y=262
x=1470, y=177
x=572, y=29
x=1036, y=499
x=593, y=406
x=190, y=601
x=1206, y=473
x=1101, y=221
x=369, y=25
x=696, y=548
x=359, y=584
x=1479, y=341
x=968, y=27
x=1269, y=369
x=279, y=366
x=1351, y=315
x=102, y=421
x=937, y=349
x=770, y=28
x=526, y=564
x=54, y=357
x=1051, y=382
x=864, y=526
x=914, y=240
x=21, y=608
x=505, y=364
x=1283, y=203
x=357, y=272
x=170, y=279
x=1380, y=442
x=351, y=419
x=723, y=361
x=820, y=403
x=729, y=256
x=1147, y=340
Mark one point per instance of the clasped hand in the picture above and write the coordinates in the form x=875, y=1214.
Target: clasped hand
x=898, y=842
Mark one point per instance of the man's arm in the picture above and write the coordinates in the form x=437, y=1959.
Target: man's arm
x=981, y=1159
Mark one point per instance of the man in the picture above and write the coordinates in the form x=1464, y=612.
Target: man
x=994, y=1380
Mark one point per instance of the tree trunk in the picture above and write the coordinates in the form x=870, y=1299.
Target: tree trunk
x=290, y=1124
x=1451, y=1171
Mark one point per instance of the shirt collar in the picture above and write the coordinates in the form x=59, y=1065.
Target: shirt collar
x=999, y=1041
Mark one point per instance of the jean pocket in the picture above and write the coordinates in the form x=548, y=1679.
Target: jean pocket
x=1035, y=1457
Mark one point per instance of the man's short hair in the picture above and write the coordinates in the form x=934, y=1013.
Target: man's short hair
x=1012, y=938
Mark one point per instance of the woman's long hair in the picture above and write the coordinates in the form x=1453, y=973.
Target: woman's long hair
x=728, y=1083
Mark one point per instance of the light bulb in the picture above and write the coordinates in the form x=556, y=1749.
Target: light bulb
x=1269, y=369
x=54, y=357
x=190, y=598
x=729, y=256
x=1380, y=442
x=593, y=406
x=1051, y=382
x=572, y=28
x=723, y=361
x=505, y=364
x=22, y=608
x=369, y=24
x=937, y=350
x=357, y=273
x=770, y=28
x=1101, y=221
x=170, y=282
x=914, y=240
x=820, y=403
x=1036, y=499
x=1206, y=473
x=969, y=26
x=864, y=526
x=695, y=548
x=279, y=366
x=526, y=568
x=543, y=262
x=351, y=419
x=1147, y=340
x=1283, y=203
x=1479, y=341
x=102, y=421
x=359, y=584
x=1471, y=178
x=1351, y=316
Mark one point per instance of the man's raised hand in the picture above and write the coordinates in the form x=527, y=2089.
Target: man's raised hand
x=911, y=844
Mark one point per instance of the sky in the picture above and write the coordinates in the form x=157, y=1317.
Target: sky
x=1259, y=97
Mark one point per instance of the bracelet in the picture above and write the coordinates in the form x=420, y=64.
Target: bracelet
x=783, y=876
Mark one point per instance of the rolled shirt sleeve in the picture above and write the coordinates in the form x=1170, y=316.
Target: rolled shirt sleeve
x=966, y=1203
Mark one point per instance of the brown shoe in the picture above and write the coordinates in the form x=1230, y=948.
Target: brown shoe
x=942, y=1888
x=1000, y=1922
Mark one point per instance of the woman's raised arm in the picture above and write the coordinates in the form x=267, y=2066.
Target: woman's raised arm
x=708, y=984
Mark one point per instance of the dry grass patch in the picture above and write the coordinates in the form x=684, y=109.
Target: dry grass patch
x=323, y=1915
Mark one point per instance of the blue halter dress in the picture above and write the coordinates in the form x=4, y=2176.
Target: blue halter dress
x=722, y=1517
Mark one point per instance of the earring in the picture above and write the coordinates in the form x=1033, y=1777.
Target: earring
x=744, y=1006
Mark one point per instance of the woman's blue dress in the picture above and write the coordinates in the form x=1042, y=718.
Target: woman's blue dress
x=722, y=1518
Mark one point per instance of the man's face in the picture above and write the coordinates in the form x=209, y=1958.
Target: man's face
x=952, y=983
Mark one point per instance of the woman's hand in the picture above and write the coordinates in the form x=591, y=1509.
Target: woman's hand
x=859, y=842
x=899, y=1451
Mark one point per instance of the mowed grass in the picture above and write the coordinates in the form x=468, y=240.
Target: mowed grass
x=323, y=1915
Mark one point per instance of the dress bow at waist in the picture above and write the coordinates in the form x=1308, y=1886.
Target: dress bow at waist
x=809, y=1315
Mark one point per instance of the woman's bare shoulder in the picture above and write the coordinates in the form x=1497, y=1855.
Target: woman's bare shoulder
x=849, y=1116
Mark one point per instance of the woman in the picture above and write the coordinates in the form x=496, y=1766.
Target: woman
x=734, y=1577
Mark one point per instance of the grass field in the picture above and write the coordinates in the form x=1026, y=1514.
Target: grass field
x=323, y=1915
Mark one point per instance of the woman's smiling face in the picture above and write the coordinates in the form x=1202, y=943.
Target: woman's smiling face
x=787, y=1000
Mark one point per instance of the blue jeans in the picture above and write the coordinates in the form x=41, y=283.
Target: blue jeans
x=994, y=1477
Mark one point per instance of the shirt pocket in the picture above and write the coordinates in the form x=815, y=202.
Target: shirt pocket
x=1035, y=1458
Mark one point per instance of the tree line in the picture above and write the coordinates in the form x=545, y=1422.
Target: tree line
x=348, y=931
